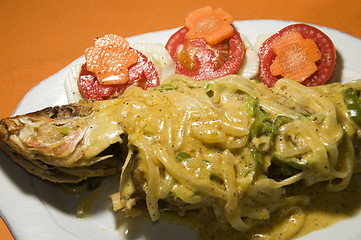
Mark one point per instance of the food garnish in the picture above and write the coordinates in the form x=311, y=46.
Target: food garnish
x=296, y=57
x=296, y=65
x=111, y=67
x=213, y=26
x=230, y=148
x=208, y=47
x=110, y=59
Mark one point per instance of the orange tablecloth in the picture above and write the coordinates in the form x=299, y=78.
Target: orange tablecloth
x=38, y=38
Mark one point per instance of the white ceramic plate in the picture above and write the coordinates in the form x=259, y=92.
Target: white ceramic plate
x=37, y=210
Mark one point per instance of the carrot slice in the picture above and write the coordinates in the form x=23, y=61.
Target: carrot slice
x=110, y=58
x=213, y=26
x=296, y=57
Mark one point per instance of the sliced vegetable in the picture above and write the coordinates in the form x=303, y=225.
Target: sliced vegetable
x=159, y=56
x=250, y=64
x=300, y=54
x=142, y=74
x=201, y=61
x=213, y=26
x=182, y=156
x=261, y=126
x=296, y=57
x=71, y=84
x=292, y=161
x=353, y=105
x=110, y=58
x=208, y=47
x=264, y=126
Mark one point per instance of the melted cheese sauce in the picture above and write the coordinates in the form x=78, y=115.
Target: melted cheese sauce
x=298, y=212
x=328, y=208
x=325, y=209
x=101, y=135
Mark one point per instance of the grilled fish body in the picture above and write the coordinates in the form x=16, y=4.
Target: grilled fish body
x=230, y=149
x=218, y=145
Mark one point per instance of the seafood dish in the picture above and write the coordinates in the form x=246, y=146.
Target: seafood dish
x=229, y=145
x=232, y=139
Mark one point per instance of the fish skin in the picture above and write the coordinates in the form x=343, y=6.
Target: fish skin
x=21, y=138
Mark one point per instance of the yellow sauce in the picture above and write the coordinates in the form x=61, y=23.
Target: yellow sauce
x=252, y=205
x=325, y=209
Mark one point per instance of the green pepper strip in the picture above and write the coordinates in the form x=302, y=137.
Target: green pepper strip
x=173, y=84
x=182, y=156
x=280, y=120
x=262, y=125
x=293, y=162
x=353, y=105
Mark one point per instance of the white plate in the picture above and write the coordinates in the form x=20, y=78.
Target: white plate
x=37, y=210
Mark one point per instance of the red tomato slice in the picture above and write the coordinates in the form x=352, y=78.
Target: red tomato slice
x=142, y=74
x=201, y=61
x=325, y=65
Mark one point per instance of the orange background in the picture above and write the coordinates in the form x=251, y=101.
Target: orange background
x=38, y=38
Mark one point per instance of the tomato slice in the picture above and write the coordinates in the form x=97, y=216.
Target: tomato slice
x=142, y=74
x=201, y=61
x=325, y=66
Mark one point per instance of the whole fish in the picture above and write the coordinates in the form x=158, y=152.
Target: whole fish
x=73, y=142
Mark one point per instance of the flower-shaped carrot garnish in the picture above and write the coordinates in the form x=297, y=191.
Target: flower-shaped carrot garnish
x=213, y=26
x=296, y=57
x=110, y=58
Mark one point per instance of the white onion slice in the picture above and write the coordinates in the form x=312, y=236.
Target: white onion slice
x=159, y=56
x=249, y=68
x=71, y=84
